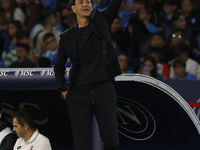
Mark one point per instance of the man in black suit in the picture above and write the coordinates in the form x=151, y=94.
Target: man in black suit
x=94, y=65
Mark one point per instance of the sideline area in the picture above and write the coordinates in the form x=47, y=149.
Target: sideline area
x=151, y=114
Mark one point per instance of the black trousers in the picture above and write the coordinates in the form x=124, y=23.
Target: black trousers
x=98, y=99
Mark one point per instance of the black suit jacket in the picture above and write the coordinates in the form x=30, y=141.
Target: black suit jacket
x=100, y=24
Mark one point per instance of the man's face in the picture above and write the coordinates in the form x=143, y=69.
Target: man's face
x=17, y=128
x=143, y=14
x=186, y=6
x=82, y=8
x=137, y=5
x=180, y=23
x=184, y=56
x=51, y=43
x=179, y=70
x=149, y=64
x=123, y=62
x=22, y=54
x=169, y=8
x=115, y=25
x=5, y=4
x=176, y=38
x=12, y=30
x=157, y=41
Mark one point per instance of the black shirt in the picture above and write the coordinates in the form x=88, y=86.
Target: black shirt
x=90, y=56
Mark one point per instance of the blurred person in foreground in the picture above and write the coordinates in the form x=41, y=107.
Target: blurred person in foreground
x=7, y=137
x=94, y=66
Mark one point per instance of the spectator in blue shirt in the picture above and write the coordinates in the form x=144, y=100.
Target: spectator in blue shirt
x=123, y=62
x=179, y=68
x=52, y=44
x=147, y=17
x=165, y=18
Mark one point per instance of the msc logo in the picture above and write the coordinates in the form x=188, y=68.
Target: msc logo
x=134, y=120
x=4, y=73
x=24, y=73
x=47, y=73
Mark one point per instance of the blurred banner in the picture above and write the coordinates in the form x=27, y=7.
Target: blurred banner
x=151, y=115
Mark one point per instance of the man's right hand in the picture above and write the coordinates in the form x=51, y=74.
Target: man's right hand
x=63, y=95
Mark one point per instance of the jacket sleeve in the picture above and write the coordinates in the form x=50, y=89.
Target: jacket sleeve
x=8, y=142
x=112, y=10
x=59, y=68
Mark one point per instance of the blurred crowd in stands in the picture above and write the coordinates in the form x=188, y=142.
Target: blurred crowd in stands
x=159, y=38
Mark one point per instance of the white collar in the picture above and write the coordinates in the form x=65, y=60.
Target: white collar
x=33, y=137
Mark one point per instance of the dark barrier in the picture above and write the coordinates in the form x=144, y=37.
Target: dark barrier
x=151, y=115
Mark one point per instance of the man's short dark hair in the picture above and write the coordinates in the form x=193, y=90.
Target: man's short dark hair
x=25, y=116
x=25, y=46
x=179, y=62
x=48, y=35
